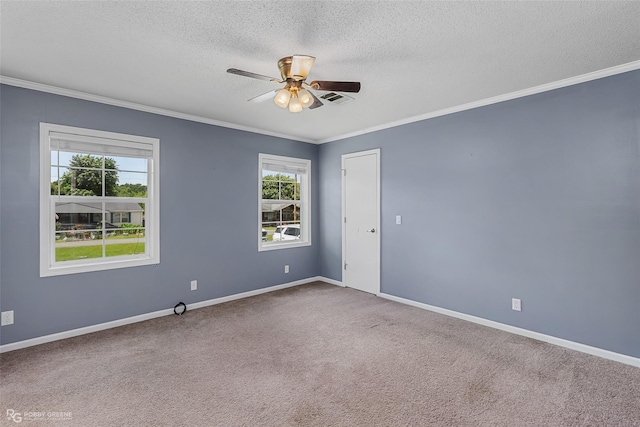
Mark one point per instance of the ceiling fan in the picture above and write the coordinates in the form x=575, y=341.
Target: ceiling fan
x=294, y=71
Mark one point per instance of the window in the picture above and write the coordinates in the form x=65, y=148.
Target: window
x=284, y=202
x=99, y=203
x=120, y=217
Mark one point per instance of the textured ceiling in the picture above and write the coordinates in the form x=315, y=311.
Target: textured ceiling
x=412, y=58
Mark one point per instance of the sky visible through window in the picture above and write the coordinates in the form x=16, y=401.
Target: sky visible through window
x=131, y=170
x=288, y=175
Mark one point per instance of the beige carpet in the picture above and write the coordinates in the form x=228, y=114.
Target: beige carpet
x=314, y=355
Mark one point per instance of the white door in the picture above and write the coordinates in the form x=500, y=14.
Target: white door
x=361, y=221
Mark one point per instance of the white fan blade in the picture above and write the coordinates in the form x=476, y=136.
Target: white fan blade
x=264, y=96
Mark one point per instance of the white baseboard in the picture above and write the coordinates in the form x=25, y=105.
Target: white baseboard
x=629, y=360
x=248, y=294
x=142, y=317
x=595, y=351
x=329, y=281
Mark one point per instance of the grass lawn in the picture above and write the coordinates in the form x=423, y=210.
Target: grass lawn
x=95, y=251
x=269, y=235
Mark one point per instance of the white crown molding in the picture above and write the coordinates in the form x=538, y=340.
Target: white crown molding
x=140, y=107
x=618, y=69
x=572, y=345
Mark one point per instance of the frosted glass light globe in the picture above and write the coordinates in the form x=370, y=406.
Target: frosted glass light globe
x=282, y=98
x=295, y=106
x=305, y=97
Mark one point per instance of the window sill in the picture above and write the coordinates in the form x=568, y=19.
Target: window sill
x=271, y=247
x=96, y=266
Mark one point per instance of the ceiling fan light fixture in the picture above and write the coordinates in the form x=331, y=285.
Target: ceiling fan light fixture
x=305, y=97
x=295, y=106
x=294, y=71
x=282, y=98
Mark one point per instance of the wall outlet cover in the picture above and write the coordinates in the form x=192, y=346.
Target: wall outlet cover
x=7, y=318
x=516, y=304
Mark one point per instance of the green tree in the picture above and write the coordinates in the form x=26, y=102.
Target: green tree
x=88, y=182
x=280, y=187
x=131, y=190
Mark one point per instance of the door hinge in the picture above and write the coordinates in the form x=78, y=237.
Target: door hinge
x=344, y=172
x=345, y=265
x=345, y=219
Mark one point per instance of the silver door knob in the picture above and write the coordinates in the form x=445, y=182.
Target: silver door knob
x=373, y=230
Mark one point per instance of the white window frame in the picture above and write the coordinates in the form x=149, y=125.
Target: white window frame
x=305, y=202
x=48, y=265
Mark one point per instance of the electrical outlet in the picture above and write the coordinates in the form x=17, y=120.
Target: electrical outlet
x=194, y=285
x=516, y=305
x=398, y=219
x=7, y=318
x=286, y=269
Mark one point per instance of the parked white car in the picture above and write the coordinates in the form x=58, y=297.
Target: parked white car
x=286, y=232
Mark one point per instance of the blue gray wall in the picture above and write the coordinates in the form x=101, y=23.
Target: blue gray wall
x=536, y=198
x=208, y=214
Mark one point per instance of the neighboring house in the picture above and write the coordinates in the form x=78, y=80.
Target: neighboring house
x=91, y=213
x=271, y=212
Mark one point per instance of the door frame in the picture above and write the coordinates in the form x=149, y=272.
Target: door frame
x=343, y=211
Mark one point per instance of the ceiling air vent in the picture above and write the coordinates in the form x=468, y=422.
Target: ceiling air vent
x=336, y=98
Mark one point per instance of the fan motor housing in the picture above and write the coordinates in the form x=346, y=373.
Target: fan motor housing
x=285, y=67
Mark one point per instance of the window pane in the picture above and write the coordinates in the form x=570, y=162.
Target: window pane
x=54, y=180
x=287, y=191
x=131, y=164
x=282, y=222
x=81, y=182
x=281, y=212
x=79, y=229
x=78, y=216
x=284, y=233
x=271, y=190
x=269, y=175
x=291, y=213
x=273, y=212
x=54, y=158
x=296, y=192
x=57, y=185
x=123, y=212
x=131, y=184
x=77, y=245
x=125, y=244
x=80, y=160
